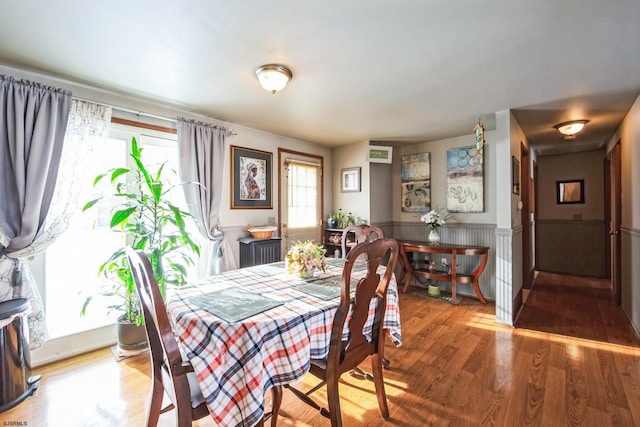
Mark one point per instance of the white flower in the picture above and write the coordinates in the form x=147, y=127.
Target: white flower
x=432, y=219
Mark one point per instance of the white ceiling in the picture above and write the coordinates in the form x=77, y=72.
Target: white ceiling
x=408, y=71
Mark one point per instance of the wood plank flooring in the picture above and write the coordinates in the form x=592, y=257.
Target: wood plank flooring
x=456, y=367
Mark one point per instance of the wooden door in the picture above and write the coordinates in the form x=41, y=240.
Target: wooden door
x=300, y=192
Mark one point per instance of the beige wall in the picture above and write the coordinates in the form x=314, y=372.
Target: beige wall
x=629, y=136
x=381, y=193
x=438, y=157
x=585, y=165
x=349, y=156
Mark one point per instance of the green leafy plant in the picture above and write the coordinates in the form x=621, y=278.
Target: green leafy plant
x=339, y=218
x=150, y=223
x=351, y=219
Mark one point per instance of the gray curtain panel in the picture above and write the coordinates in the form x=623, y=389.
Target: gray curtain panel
x=33, y=123
x=202, y=147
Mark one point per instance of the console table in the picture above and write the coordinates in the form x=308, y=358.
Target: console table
x=443, y=276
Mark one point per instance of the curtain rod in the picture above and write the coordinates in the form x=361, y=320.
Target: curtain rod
x=127, y=110
x=139, y=113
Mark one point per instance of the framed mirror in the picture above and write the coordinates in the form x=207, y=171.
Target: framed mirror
x=571, y=191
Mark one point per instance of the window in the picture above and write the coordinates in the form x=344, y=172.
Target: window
x=303, y=195
x=68, y=270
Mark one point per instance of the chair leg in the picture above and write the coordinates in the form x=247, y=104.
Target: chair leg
x=378, y=380
x=155, y=405
x=333, y=399
x=276, y=393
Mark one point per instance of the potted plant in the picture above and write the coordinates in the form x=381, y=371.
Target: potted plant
x=150, y=223
x=339, y=219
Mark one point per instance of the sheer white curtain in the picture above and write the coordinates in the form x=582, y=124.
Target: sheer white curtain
x=86, y=127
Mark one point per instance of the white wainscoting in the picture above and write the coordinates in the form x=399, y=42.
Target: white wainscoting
x=630, y=275
x=504, y=276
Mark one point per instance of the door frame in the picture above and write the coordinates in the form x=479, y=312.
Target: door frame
x=525, y=216
x=282, y=152
x=615, y=191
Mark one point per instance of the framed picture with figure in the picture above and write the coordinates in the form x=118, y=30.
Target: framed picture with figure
x=250, y=178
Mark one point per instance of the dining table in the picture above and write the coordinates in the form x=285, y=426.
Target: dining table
x=248, y=330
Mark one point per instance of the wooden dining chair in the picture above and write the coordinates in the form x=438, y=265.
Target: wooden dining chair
x=353, y=311
x=171, y=371
x=363, y=233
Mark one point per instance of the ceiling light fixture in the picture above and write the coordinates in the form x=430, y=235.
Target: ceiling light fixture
x=571, y=128
x=273, y=77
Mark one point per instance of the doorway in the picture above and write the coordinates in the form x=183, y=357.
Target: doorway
x=300, y=194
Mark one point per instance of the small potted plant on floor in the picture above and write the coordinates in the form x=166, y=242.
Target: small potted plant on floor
x=150, y=222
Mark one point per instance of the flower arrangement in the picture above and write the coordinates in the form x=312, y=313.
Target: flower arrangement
x=433, y=219
x=304, y=257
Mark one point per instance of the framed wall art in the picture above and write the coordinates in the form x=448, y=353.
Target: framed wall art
x=465, y=180
x=250, y=179
x=515, y=175
x=570, y=192
x=350, y=180
x=379, y=154
x=415, y=174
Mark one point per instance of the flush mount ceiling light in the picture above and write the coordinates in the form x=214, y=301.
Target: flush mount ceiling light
x=571, y=128
x=273, y=77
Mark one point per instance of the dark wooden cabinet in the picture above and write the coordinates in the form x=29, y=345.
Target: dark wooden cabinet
x=256, y=252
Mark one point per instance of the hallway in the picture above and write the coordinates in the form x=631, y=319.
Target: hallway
x=575, y=306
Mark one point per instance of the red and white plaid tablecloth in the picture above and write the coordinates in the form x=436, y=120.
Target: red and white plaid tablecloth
x=236, y=364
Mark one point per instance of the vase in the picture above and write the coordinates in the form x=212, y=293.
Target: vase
x=434, y=237
x=306, y=274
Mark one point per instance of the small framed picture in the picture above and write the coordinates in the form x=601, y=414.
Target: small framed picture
x=250, y=179
x=570, y=192
x=515, y=175
x=379, y=154
x=350, y=182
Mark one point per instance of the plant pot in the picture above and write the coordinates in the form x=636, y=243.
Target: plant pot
x=434, y=291
x=132, y=339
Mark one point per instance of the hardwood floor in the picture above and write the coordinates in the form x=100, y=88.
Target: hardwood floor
x=456, y=367
x=576, y=307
